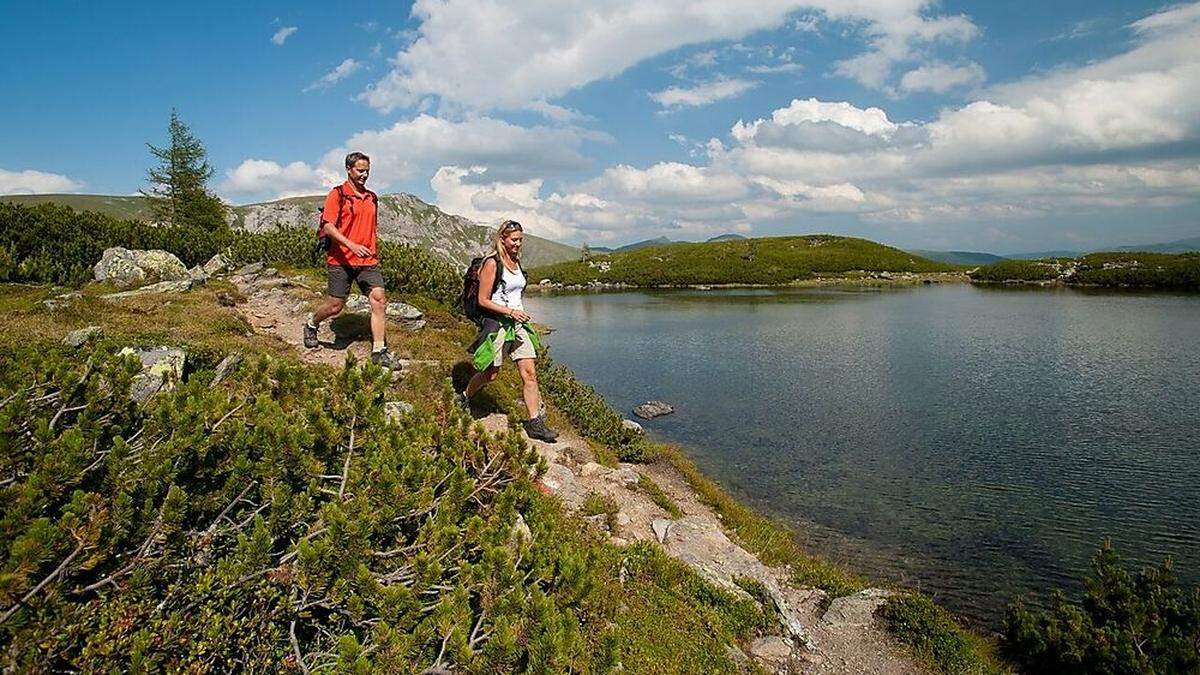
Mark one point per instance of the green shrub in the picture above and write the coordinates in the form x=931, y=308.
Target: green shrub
x=1019, y=270
x=933, y=635
x=1132, y=270
x=1125, y=622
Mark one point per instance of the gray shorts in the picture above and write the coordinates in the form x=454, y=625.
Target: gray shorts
x=340, y=277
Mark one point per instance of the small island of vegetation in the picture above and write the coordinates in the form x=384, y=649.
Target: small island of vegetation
x=758, y=261
x=1114, y=270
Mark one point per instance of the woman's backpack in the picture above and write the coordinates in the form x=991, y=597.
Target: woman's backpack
x=469, y=300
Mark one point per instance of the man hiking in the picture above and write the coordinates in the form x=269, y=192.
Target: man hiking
x=349, y=220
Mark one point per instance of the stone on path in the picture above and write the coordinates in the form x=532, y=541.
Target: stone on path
x=216, y=265
x=661, y=527
x=858, y=609
x=772, y=649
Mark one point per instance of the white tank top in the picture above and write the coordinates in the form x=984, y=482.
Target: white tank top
x=509, y=294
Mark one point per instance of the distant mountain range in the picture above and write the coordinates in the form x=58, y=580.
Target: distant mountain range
x=402, y=218
x=1177, y=246
x=658, y=241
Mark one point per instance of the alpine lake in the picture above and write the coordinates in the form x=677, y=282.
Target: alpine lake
x=974, y=442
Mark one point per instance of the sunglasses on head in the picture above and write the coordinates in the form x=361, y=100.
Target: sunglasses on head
x=510, y=225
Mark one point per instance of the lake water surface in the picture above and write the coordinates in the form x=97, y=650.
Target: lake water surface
x=972, y=442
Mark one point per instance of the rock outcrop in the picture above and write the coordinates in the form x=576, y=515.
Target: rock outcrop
x=651, y=409
x=127, y=268
x=162, y=370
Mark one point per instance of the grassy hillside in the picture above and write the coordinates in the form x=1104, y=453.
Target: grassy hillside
x=1114, y=269
x=768, y=260
x=123, y=207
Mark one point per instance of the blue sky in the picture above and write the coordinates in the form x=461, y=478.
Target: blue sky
x=987, y=126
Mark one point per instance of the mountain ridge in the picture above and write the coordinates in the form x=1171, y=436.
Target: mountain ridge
x=403, y=218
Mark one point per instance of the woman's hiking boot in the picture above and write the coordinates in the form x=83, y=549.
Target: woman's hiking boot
x=461, y=400
x=536, y=428
x=310, y=336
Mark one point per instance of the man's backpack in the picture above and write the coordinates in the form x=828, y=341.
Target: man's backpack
x=469, y=300
x=324, y=241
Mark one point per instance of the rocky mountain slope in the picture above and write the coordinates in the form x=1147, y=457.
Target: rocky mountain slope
x=403, y=218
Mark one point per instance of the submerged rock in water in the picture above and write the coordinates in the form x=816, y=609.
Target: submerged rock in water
x=651, y=409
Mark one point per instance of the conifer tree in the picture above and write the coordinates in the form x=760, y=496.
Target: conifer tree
x=178, y=191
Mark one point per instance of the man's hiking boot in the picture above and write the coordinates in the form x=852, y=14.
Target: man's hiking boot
x=310, y=337
x=384, y=359
x=536, y=428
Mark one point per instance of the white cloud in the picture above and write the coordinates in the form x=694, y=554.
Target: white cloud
x=282, y=35
x=702, y=94
x=942, y=77
x=489, y=203
x=418, y=146
x=532, y=54
x=343, y=70
x=258, y=176
x=35, y=182
x=774, y=69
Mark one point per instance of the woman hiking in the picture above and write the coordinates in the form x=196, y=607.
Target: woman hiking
x=505, y=328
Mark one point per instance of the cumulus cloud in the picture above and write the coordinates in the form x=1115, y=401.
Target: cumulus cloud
x=583, y=41
x=942, y=77
x=282, y=35
x=417, y=147
x=35, y=182
x=259, y=176
x=343, y=70
x=701, y=94
x=1119, y=133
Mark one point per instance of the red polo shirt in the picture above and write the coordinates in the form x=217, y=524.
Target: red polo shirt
x=356, y=218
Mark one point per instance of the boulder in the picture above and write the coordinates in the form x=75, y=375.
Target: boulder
x=198, y=275
x=592, y=469
x=218, y=264
x=406, y=315
x=249, y=270
x=519, y=534
x=626, y=475
x=131, y=267
x=162, y=370
x=651, y=409
x=78, y=338
x=632, y=426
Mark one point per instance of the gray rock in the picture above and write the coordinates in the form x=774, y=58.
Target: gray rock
x=395, y=410
x=198, y=275
x=126, y=268
x=218, y=264
x=226, y=367
x=78, y=338
x=858, y=609
x=662, y=528
x=162, y=370
x=651, y=409
x=161, y=287
x=249, y=270
x=597, y=522
x=406, y=315
x=772, y=650
x=632, y=426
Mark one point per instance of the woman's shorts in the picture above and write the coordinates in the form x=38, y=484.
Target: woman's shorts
x=521, y=347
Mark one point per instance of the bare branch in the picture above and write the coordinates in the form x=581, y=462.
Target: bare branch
x=44, y=582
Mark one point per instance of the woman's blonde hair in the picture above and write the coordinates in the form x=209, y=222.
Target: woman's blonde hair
x=505, y=228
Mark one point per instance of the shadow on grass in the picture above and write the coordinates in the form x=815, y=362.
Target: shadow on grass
x=484, y=402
